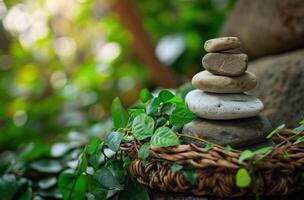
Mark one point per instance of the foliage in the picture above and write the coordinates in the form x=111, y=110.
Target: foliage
x=98, y=169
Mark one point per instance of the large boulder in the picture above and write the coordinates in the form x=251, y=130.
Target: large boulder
x=281, y=87
x=267, y=27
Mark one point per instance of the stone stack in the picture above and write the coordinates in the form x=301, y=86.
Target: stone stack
x=226, y=115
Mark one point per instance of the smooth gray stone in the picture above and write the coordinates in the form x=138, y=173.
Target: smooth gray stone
x=225, y=64
x=223, y=106
x=236, y=133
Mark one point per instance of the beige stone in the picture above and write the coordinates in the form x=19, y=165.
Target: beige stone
x=209, y=82
x=222, y=44
x=225, y=63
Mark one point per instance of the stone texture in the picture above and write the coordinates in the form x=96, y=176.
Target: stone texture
x=222, y=44
x=236, y=133
x=281, y=87
x=225, y=63
x=223, y=106
x=267, y=27
x=223, y=84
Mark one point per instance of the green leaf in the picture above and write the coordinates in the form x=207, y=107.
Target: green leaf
x=117, y=169
x=243, y=178
x=299, y=140
x=165, y=95
x=47, y=166
x=168, y=108
x=72, y=187
x=298, y=130
x=275, y=131
x=105, y=177
x=144, y=151
x=181, y=115
x=246, y=155
x=191, y=176
x=176, y=167
x=301, y=122
x=93, y=145
x=99, y=194
x=119, y=114
x=126, y=162
x=263, y=150
x=113, y=140
x=142, y=127
x=285, y=154
x=227, y=148
x=8, y=187
x=208, y=146
x=153, y=106
x=134, y=191
x=83, y=164
x=177, y=100
x=145, y=95
x=164, y=137
x=47, y=183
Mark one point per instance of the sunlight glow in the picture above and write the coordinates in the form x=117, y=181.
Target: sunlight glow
x=20, y=118
x=64, y=46
x=17, y=19
x=109, y=52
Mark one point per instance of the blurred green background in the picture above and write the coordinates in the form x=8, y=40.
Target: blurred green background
x=63, y=61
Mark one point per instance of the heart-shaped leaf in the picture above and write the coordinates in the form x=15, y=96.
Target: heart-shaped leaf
x=164, y=137
x=143, y=126
x=243, y=178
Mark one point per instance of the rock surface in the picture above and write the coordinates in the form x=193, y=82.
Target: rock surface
x=236, y=133
x=281, y=87
x=225, y=63
x=222, y=44
x=267, y=27
x=222, y=106
x=223, y=84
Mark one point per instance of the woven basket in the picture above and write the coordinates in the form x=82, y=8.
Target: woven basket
x=216, y=169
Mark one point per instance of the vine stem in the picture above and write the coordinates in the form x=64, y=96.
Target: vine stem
x=275, y=147
x=202, y=140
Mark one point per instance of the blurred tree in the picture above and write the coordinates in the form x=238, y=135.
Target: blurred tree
x=62, y=62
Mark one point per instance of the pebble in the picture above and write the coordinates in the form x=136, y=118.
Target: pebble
x=224, y=84
x=222, y=44
x=236, y=133
x=225, y=64
x=222, y=106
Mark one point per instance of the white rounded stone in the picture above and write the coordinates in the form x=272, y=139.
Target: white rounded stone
x=223, y=106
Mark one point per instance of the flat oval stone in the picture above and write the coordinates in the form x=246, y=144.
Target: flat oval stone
x=236, y=133
x=223, y=106
x=225, y=63
x=224, y=84
x=222, y=44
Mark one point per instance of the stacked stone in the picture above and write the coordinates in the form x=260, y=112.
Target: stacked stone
x=219, y=96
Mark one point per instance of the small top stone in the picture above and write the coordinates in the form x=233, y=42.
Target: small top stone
x=222, y=44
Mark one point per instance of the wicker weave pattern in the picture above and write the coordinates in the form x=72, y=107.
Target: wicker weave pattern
x=216, y=169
